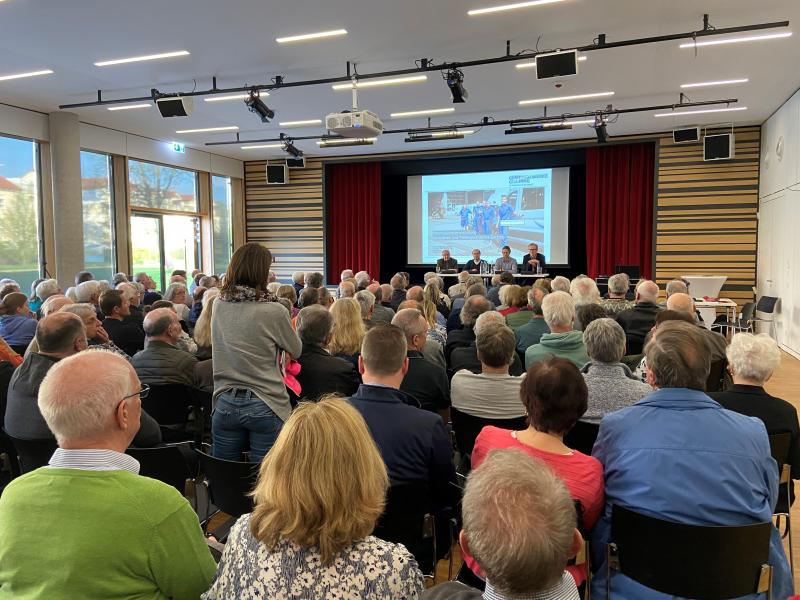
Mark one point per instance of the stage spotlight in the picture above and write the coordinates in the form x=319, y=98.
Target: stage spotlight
x=600, y=130
x=455, y=81
x=257, y=106
x=290, y=148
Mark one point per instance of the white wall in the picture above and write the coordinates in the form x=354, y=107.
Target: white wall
x=779, y=220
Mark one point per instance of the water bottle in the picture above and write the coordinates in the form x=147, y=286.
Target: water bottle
x=539, y=269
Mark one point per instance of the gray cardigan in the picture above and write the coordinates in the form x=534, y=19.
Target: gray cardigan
x=247, y=338
x=611, y=387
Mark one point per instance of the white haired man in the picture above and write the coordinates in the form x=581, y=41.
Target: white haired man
x=639, y=320
x=467, y=357
x=562, y=341
x=446, y=264
x=90, y=512
x=519, y=525
x=460, y=288
x=616, y=302
x=584, y=291
x=560, y=284
x=298, y=281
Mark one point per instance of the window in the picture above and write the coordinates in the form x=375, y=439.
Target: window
x=98, y=215
x=160, y=187
x=223, y=233
x=19, y=211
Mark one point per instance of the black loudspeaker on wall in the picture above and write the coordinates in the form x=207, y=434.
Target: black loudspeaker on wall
x=686, y=135
x=718, y=146
x=277, y=174
x=296, y=163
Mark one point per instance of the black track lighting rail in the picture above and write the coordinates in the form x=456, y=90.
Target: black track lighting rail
x=425, y=65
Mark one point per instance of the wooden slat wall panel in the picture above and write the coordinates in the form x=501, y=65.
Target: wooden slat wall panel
x=706, y=213
x=288, y=219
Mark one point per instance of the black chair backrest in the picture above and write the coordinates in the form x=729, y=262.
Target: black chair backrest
x=6, y=371
x=690, y=561
x=403, y=518
x=229, y=483
x=168, y=404
x=165, y=463
x=632, y=271
x=747, y=314
x=716, y=375
x=766, y=304
x=7, y=448
x=582, y=437
x=466, y=427
x=779, y=445
x=33, y=454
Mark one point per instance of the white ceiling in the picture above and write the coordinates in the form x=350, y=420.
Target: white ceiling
x=235, y=40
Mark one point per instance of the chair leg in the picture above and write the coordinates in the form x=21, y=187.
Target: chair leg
x=789, y=537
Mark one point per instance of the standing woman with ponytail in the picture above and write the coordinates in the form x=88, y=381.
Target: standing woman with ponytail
x=17, y=327
x=250, y=332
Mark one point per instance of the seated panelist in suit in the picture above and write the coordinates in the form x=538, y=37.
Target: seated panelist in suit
x=446, y=264
x=476, y=265
x=532, y=260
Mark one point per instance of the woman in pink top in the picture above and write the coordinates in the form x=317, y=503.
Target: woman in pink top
x=554, y=394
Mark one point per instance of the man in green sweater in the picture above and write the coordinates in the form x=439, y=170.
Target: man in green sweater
x=88, y=526
x=562, y=341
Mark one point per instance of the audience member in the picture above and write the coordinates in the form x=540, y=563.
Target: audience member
x=437, y=332
x=473, y=308
x=44, y=290
x=531, y=332
x=562, y=341
x=17, y=326
x=69, y=293
x=560, y=284
x=414, y=443
x=638, y=321
x=586, y=313
x=298, y=283
x=554, y=395
x=308, y=297
x=321, y=373
x=460, y=288
x=176, y=293
x=475, y=287
x=676, y=286
x=325, y=297
x=162, y=362
x=289, y=293
x=366, y=303
x=611, y=384
x=250, y=334
x=34, y=302
x=492, y=393
x=362, y=280
x=347, y=289
x=425, y=381
x=517, y=318
x=102, y=286
x=126, y=334
x=119, y=278
x=381, y=313
x=584, y=291
x=150, y=295
x=9, y=288
x=202, y=330
x=616, y=302
x=211, y=281
x=82, y=276
x=319, y=495
x=133, y=292
x=90, y=512
x=7, y=357
x=519, y=527
x=677, y=455
x=433, y=293
x=513, y=299
x=197, y=305
x=751, y=361
x=54, y=304
x=498, y=281
x=313, y=280
x=96, y=336
x=348, y=330
x=466, y=357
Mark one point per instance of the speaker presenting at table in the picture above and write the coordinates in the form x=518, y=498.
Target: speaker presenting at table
x=533, y=262
x=446, y=264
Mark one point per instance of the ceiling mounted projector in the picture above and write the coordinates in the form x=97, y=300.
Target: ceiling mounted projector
x=172, y=106
x=355, y=124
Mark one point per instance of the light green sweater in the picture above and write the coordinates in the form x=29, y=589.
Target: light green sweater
x=69, y=534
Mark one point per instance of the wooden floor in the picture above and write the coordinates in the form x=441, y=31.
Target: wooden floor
x=785, y=383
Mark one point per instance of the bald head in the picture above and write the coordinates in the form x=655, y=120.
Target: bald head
x=415, y=293
x=413, y=325
x=61, y=334
x=681, y=303
x=54, y=304
x=410, y=304
x=647, y=291
x=160, y=324
x=91, y=412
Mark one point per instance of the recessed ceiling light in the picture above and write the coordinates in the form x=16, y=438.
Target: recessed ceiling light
x=504, y=7
x=736, y=40
x=532, y=64
x=300, y=123
x=419, y=113
x=129, y=106
x=207, y=129
x=262, y=146
x=565, y=98
x=231, y=97
x=712, y=83
x=378, y=82
x=700, y=112
x=22, y=75
x=311, y=36
x=122, y=61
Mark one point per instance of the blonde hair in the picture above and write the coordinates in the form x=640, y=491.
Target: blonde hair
x=323, y=483
x=428, y=311
x=431, y=292
x=202, y=329
x=348, y=328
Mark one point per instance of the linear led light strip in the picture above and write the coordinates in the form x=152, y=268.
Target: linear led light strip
x=232, y=97
x=713, y=83
x=300, y=123
x=736, y=40
x=701, y=112
x=347, y=142
x=129, y=106
x=420, y=113
x=209, y=129
x=262, y=146
x=532, y=65
x=23, y=75
x=379, y=82
x=565, y=98
x=447, y=134
x=122, y=61
x=311, y=36
x=503, y=7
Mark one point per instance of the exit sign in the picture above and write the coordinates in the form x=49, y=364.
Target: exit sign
x=179, y=147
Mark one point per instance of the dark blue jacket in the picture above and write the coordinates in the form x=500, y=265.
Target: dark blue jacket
x=412, y=441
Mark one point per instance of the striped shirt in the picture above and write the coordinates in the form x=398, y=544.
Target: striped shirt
x=93, y=460
x=565, y=589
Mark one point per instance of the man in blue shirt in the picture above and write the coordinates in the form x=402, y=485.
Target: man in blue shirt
x=506, y=212
x=678, y=455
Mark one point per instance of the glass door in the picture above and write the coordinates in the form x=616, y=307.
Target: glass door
x=181, y=244
x=147, y=246
x=161, y=244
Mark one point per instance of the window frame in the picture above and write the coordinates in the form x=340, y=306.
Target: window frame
x=112, y=182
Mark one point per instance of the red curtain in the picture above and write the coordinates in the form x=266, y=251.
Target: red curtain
x=354, y=219
x=619, y=208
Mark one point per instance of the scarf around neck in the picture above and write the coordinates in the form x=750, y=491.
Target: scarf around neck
x=243, y=293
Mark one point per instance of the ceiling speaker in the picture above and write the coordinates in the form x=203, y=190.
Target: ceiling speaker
x=556, y=64
x=175, y=106
x=277, y=174
x=718, y=146
x=296, y=163
x=686, y=135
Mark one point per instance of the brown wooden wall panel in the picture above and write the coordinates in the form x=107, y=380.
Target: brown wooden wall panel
x=706, y=213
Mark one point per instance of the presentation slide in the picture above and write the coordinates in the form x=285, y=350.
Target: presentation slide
x=462, y=211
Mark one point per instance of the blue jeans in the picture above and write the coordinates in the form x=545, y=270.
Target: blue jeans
x=241, y=420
